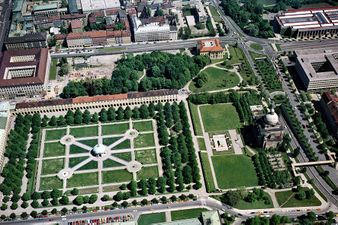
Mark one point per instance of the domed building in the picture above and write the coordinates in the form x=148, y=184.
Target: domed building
x=271, y=131
x=98, y=150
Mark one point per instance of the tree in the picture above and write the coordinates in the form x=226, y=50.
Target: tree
x=105, y=198
x=45, y=195
x=4, y=206
x=231, y=198
x=93, y=199
x=24, y=215
x=95, y=118
x=54, y=211
x=64, y=200
x=144, y=112
x=136, y=113
x=144, y=202
x=161, y=184
x=74, y=209
x=78, y=117
x=78, y=200
x=44, y=212
x=44, y=121
x=70, y=117
x=142, y=184
x=24, y=205
x=128, y=113
x=309, y=193
x=55, y=193
x=300, y=195
x=103, y=115
x=118, y=196
x=111, y=114
x=74, y=191
x=133, y=188
x=86, y=117
x=34, y=214
x=61, y=121
x=124, y=204
x=52, y=121
x=151, y=186
x=25, y=197
x=35, y=204
x=54, y=201
x=187, y=174
x=12, y=216
x=64, y=211
x=45, y=203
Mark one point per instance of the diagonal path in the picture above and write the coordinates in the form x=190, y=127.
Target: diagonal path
x=121, y=161
x=86, y=147
x=117, y=142
x=84, y=162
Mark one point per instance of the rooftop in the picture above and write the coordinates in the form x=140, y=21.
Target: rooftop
x=210, y=45
x=76, y=24
x=92, y=5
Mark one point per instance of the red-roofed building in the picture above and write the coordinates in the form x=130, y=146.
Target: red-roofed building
x=24, y=72
x=211, y=48
x=76, y=25
x=329, y=106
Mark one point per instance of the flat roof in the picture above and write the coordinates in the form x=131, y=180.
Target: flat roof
x=318, y=64
x=313, y=18
x=92, y=5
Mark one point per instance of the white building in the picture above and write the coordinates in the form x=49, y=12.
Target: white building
x=96, y=5
x=154, y=29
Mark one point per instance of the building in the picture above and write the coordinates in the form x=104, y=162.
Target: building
x=95, y=38
x=270, y=130
x=211, y=48
x=24, y=72
x=152, y=29
x=308, y=23
x=76, y=25
x=329, y=108
x=97, y=5
x=33, y=40
x=317, y=68
x=4, y=117
x=98, y=102
x=211, y=218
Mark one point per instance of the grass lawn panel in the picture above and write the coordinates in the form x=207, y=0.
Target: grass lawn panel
x=144, y=140
x=52, y=71
x=89, y=166
x=147, y=172
x=116, y=176
x=147, y=219
x=85, y=131
x=287, y=199
x=123, y=145
x=55, y=134
x=146, y=156
x=187, y=214
x=54, y=149
x=219, y=117
x=195, y=119
x=111, y=140
x=234, y=171
x=74, y=149
x=83, y=179
x=217, y=79
x=119, y=128
x=124, y=155
x=254, y=205
x=256, y=46
x=111, y=163
x=76, y=160
x=143, y=126
x=51, y=166
x=89, y=142
x=49, y=183
x=201, y=143
x=209, y=182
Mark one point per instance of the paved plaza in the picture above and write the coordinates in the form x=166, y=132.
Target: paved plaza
x=98, y=157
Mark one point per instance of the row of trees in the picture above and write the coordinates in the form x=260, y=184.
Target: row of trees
x=163, y=71
x=15, y=151
x=297, y=129
x=242, y=105
x=232, y=198
x=266, y=175
x=249, y=17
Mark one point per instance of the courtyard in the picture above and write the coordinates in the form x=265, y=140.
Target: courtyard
x=97, y=156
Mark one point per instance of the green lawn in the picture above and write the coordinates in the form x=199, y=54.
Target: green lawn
x=195, y=119
x=85, y=131
x=234, y=171
x=287, y=199
x=215, y=14
x=219, y=117
x=110, y=140
x=209, y=182
x=89, y=142
x=83, y=179
x=146, y=156
x=119, y=128
x=147, y=219
x=52, y=71
x=144, y=140
x=75, y=150
x=147, y=172
x=55, y=134
x=54, y=149
x=116, y=176
x=201, y=143
x=254, y=205
x=187, y=214
x=143, y=126
x=256, y=46
x=217, y=79
x=49, y=183
x=51, y=166
x=76, y=160
x=123, y=145
x=91, y=165
x=124, y=155
x=111, y=163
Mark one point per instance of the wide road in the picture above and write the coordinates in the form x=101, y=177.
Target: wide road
x=300, y=45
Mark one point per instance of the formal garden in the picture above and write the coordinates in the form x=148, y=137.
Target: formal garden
x=118, y=153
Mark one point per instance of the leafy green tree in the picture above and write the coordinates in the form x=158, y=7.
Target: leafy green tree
x=64, y=200
x=52, y=121
x=231, y=198
x=74, y=191
x=78, y=200
x=93, y=199
x=95, y=118
x=111, y=114
x=86, y=117
x=78, y=117
x=70, y=117
x=103, y=115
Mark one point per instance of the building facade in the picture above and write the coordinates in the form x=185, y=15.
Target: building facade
x=317, y=68
x=329, y=108
x=33, y=40
x=211, y=48
x=309, y=23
